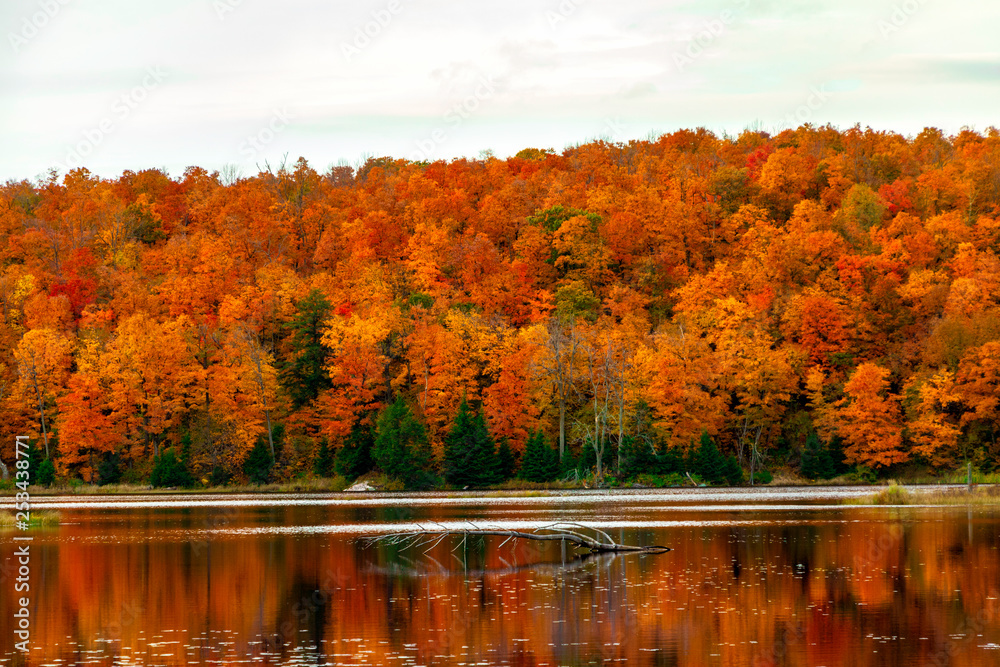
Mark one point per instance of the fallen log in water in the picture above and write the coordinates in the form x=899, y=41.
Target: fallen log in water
x=578, y=561
x=568, y=533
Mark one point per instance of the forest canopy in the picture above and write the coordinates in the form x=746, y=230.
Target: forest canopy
x=617, y=300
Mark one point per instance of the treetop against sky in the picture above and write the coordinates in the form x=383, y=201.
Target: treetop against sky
x=759, y=289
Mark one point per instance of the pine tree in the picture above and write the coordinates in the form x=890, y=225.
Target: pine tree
x=41, y=470
x=540, y=462
x=109, y=470
x=588, y=458
x=304, y=375
x=469, y=453
x=257, y=466
x=568, y=464
x=638, y=457
x=708, y=461
x=46, y=473
x=506, y=462
x=732, y=472
x=401, y=449
x=170, y=471
x=355, y=457
x=810, y=457
x=323, y=464
x=670, y=460
x=35, y=458
x=817, y=463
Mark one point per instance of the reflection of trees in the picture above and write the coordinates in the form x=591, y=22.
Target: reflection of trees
x=817, y=594
x=433, y=568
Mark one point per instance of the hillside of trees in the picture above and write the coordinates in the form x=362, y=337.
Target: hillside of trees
x=814, y=299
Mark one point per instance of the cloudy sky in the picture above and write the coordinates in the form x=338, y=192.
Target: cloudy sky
x=122, y=84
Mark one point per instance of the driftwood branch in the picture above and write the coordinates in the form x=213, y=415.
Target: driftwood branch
x=577, y=562
x=571, y=533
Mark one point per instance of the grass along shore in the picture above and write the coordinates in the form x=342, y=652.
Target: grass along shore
x=894, y=494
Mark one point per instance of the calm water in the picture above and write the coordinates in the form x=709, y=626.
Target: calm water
x=779, y=577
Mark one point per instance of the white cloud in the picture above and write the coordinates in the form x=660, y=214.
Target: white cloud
x=560, y=81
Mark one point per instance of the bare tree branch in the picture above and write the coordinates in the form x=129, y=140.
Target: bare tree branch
x=556, y=532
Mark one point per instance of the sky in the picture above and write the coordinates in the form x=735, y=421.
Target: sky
x=241, y=85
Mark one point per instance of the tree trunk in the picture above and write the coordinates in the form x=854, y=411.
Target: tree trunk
x=255, y=355
x=562, y=427
x=41, y=404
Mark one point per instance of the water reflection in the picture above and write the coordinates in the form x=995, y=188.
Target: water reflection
x=294, y=584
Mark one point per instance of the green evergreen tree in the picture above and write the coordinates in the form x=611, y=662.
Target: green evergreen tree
x=638, y=457
x=323, y=463
x=35, y=458
x=401, y=449
x=46, y=473
x=506, y=461
x=258, y=464
x=809, y=466
x=709, y=463
x=355, y=457
x=588, y=458
x=732, y=472
x=568, y=465
x=220, y=476
x=817, y=463
x=109, y=470
x=540, y=462
x=41, y=471
x=168, y=470
x=469, y=453
x=670, y=460
x=838, y=459
x=303, y=374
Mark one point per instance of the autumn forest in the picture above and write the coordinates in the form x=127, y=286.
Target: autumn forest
x=819, y=292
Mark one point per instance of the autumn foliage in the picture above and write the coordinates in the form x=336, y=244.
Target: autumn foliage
x=759, y=288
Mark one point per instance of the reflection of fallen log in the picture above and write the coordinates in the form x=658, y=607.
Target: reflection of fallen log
x=577, y=562
x=567, y=533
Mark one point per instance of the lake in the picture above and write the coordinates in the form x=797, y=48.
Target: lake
x=781, y=576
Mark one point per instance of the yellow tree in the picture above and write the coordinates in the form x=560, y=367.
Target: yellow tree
x=153, y=377
x=683, y=379
x=869, y=419
x=935, y=430
x=360, y=346
x=43, y=360
x=978, y=385
x=86, y=430
x=258, y=378
x=556, y=365
x=759, y=376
